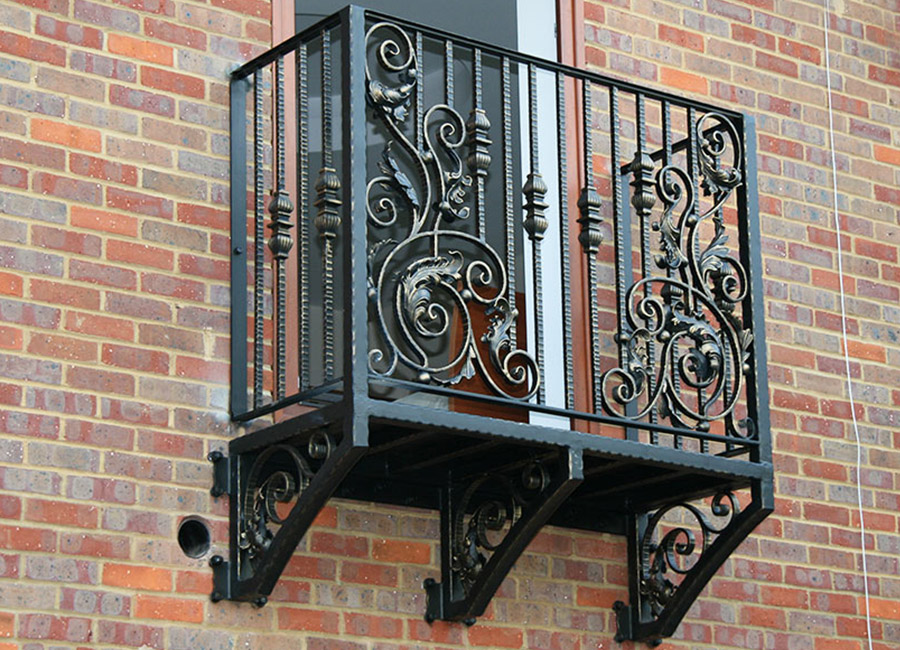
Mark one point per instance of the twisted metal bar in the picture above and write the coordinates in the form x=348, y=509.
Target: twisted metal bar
x=536, y=224
x=508, y=198
x=623, y=257
x=479, y=159
x=303, y=211
x=258, y=240
x=564, y=238
x=448, y=72
x=328, y=220
x=643, y=199
x=420, y=96
x=591, y=238
x=280, y=243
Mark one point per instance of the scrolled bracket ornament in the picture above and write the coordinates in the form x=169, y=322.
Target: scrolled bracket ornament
x=277, y=477
x=437, y=291
x=674, y=553
x=479, y=534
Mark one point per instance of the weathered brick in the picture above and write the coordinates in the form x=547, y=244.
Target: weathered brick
x=135, y=358
x=100, y=434
x=140, y=203
x=133, y=412
x=103, y=274
x=177, y=185
x=139, y=254
x=61, y=514
x=174, y=33
x=171, y=338
x=138, y=307
x=65, y=240
x=24, y=313
x=37, y=154
x=142, y=100
x=104, y=326
x=62, y=347
x=67, y=188
x=58, y=628
x=88, y=601
x=29, y=48
x=103, y=66
x=138, y=150
x=32, y=101
x=47, y=399
x=102, y=169
x=173, y=82
x=134, y=635
x=71, y=33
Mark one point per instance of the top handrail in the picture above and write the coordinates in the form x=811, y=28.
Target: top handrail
x=520, y=57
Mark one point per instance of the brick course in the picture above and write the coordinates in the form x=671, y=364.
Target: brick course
x=112, y=119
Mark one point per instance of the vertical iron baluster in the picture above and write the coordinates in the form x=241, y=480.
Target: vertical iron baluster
x=508, y=198
x=535, y=224
x=448, y=72
x=328, y=201
x=621, y=230
x=726, y=359
x=591, y=238
x=303, y=211
x=420, y=95
x=673, y=294
x=280, y=243
x=240, y=289
x=694, y=168
x=258, y=240
x=643, y=199
x=564, y=237
x=477, y=128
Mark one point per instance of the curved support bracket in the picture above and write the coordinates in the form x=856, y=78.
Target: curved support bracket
x=476, y=555
x=276, y=490
x=658, y=604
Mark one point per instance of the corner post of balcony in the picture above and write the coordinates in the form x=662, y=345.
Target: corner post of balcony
x=239, y=88
x=356, y=308
x=750, y=247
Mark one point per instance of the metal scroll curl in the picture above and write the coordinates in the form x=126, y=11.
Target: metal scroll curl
x=685, y=349
x=479, y=528
x=427, y=275
x=277, y=478
x=678, y=551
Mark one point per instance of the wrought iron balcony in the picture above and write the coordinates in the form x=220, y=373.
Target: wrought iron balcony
x=508, y=290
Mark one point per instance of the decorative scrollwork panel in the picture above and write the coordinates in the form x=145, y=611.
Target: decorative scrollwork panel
x=440, y=311
x=686, y=348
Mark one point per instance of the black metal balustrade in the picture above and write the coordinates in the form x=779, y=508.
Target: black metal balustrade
x=515, y=292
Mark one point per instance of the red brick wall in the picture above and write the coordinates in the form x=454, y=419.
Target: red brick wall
x=113, y=329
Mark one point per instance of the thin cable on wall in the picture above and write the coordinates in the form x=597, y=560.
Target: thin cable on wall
x=840, y=262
